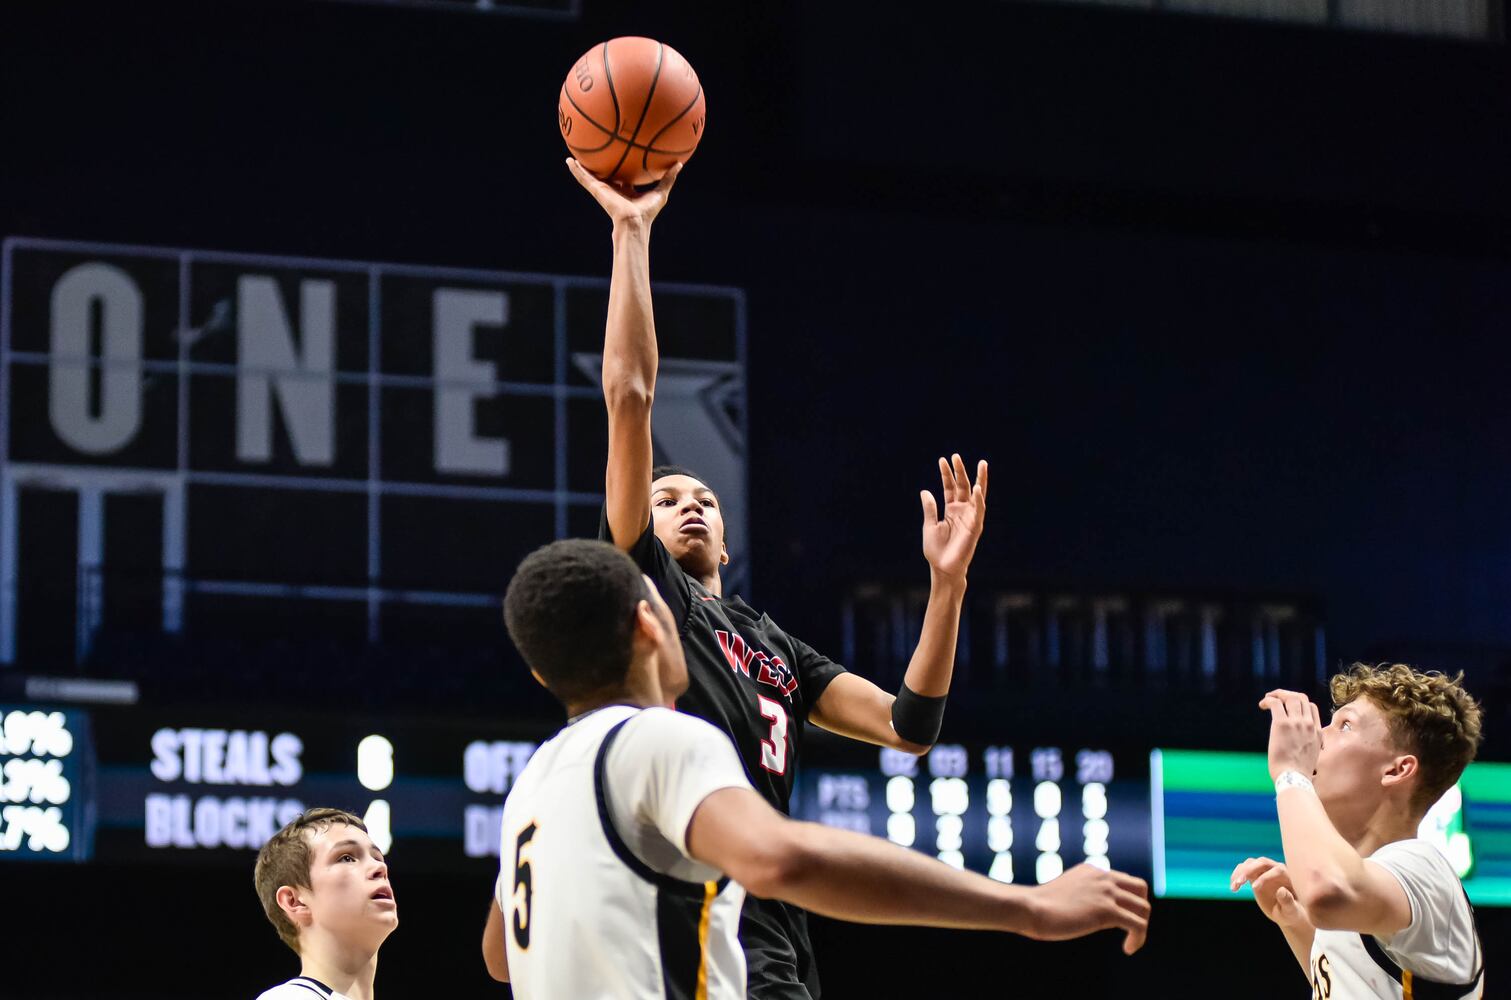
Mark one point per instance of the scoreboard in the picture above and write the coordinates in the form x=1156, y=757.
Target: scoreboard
x=199, y=434
x=181, y=787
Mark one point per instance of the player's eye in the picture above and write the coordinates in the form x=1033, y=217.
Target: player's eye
x=1344, y=725
x=708, y=502
x=347, y=857
x=664, y=501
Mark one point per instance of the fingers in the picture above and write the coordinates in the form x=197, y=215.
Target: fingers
x=981, y=481
x=1132, y=915
x=946, y=480
x=1248, y=871
x=962, y=481
x=930, y=508
x=664, y=185
x=1131, y=884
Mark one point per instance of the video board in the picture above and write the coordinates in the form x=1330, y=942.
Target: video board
x=129, y=786
x=351, y=446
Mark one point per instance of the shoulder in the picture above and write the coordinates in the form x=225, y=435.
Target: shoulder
x=666, y=727
x=1418, y=858
x=295, y=989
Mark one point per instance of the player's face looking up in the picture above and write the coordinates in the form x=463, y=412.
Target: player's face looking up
x=689, y=522
x=1359, y=756
x=349, y=895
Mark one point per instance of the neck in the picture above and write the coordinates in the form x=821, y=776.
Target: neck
x=1387, y=824
x=713, y=583
x=349, y=971
x=639, y=693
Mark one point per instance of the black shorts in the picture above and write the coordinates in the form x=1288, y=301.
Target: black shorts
x=778, y=954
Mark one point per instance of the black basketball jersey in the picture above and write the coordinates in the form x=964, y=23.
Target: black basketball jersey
x=746, y=675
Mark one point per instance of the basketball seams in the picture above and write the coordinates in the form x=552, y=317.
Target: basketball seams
x=587, y=118
x=608, y=75
x=650, y=95
x=642, y=75
x=650, y=147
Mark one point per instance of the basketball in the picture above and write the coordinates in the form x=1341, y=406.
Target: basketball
x=630, y=108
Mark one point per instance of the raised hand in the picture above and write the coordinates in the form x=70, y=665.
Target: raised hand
x=623, y=203
x=1272, y=891
x=1087, y=899
x=950, y=542
x=1295, y=732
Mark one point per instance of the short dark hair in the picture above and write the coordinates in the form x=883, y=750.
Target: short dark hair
x=570, y=610
x=681, y=470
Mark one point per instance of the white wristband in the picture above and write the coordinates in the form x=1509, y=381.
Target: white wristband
x=1293, y=779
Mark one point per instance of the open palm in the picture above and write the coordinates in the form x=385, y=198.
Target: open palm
x=949, y=542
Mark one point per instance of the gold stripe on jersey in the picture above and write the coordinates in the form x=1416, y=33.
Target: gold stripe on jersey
x=1406, y=983
x=710, y=891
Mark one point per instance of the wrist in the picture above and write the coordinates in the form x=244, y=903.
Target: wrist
x=1292, y=778
x=946, y=584
x=632, y=227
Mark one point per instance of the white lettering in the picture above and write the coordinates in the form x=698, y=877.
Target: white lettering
x=74, y=299
x=305, y=386
x=491, y=767
x=287, y=769
x=457, y=447
x=484, y=825
x=165, y=761
x=209, y=821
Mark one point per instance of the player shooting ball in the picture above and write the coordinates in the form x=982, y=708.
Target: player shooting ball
x=749, y=676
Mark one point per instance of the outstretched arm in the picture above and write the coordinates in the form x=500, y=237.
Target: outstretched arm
x=853, y=706
x=629, y=351
x=850, y=876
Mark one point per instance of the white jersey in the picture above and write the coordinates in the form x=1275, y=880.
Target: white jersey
x=599, y=896
x=301, y=988
x=1436, y=957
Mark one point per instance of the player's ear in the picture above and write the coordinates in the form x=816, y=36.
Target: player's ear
x=647, y=626
x=723, y=554
x=1403, y=768
x=292, y=903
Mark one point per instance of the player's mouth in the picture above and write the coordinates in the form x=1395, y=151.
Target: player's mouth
x=383, y=892
x=694, y=526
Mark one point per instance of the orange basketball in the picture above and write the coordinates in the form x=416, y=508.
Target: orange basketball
x=630, y=108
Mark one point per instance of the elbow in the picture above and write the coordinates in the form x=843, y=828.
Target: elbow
x=627, y=394
x=1328, y=901
x=908, y=746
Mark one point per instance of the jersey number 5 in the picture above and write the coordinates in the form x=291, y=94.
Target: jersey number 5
x=522, y=887
x=774, y=750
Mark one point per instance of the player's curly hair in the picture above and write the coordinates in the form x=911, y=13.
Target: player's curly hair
x=570, y=610
x=1429, y=713
x=285, y=860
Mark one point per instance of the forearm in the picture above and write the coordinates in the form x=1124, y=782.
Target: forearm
x=933, y=662
x=1321, y=863
x=1300, y=940
x=629, y=348
x=853, y=877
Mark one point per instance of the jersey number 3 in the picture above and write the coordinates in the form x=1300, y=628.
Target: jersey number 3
x=522, y=887
x=774, y=750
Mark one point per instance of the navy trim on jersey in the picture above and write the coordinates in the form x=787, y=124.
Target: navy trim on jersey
x=1423, y=988
x=677, y=919
x=315, y=986
x=620, y=848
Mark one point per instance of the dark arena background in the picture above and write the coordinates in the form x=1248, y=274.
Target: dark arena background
x=302, y=315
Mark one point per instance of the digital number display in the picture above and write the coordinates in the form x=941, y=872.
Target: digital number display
x=1016, y=814
x=126, y=785
x=44, y=770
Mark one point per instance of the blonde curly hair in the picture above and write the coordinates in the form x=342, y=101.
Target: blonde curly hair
x=1429, y=714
